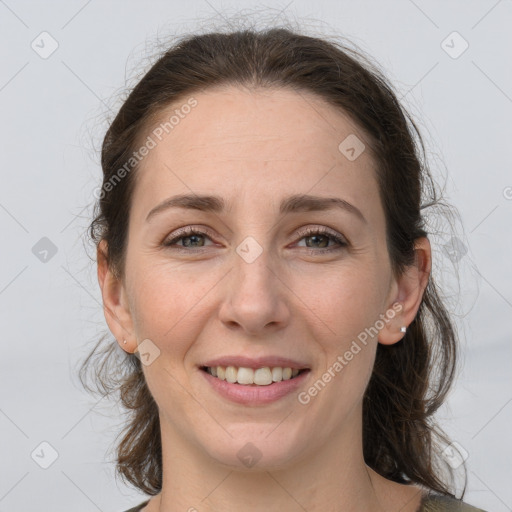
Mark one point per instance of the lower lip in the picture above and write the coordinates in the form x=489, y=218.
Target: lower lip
x=255, y=395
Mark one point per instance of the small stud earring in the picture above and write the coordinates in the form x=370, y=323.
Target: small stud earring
x=124, y=341
x=403, y=328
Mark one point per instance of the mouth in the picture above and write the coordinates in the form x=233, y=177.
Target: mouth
x=254, y=387
x=263, y=376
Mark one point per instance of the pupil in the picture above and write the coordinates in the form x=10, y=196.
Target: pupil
x=188, y=238
x=317, y=237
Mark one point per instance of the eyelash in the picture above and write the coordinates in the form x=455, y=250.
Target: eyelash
x=190, y=231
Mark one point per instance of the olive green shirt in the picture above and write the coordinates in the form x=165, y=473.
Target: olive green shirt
x=430, y=503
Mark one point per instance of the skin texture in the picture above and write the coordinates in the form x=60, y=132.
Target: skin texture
x=253, y=148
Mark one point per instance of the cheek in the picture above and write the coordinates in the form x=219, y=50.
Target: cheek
x=167, y=303
x=344, y=302
x=345, y=308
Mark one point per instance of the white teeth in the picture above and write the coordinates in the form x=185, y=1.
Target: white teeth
x=247, y=376
x=287, y=373
x=277, y=374
x=231, y=374
x=262, y=376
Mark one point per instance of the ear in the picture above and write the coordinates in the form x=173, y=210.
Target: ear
x=408, y=291
x=115, y=304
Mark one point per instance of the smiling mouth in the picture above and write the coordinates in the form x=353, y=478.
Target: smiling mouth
x=253, y=377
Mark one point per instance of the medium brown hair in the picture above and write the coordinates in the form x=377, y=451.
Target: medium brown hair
x=410, y=380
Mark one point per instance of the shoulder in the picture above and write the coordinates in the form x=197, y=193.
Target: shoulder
x=438, y=503
x=138, y=508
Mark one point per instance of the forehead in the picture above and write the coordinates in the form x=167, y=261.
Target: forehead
x=240, y=119
x=259, y=142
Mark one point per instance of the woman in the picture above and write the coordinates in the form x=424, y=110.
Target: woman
x=264, y=266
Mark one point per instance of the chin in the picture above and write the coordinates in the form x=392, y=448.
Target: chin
x=258, y=452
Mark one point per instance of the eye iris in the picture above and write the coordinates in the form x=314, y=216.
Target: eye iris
x=317, y=236
x=190, y=237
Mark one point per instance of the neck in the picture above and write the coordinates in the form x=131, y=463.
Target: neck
x=332, y=476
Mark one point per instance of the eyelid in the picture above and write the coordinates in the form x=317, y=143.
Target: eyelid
x=189, y=231
x=322, y=230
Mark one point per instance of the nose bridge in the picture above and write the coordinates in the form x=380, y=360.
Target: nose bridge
x=254, y=295
x=254, y=232
x=253, y=268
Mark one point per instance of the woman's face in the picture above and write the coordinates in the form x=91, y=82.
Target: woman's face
x=253, y=283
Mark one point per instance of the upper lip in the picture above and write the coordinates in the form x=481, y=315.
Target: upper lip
x=256, y=362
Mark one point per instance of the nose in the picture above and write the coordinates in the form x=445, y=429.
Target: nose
x=255, y=298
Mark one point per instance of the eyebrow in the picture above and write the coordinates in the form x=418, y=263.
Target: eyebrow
x=293, y=204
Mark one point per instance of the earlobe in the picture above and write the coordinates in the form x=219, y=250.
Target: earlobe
x=409, y=289
x=115, y=307
x=393, y=326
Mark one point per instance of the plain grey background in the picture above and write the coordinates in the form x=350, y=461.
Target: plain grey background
x=54, y=106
